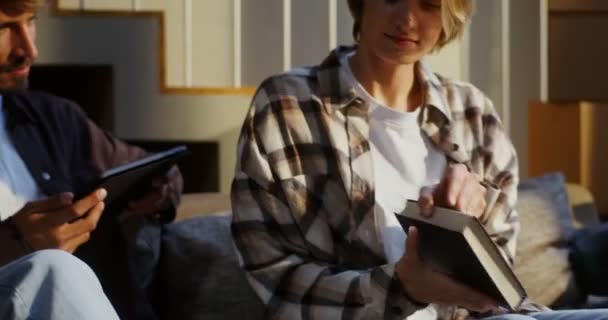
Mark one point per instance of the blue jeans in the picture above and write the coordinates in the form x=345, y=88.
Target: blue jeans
x=583, y=314
x=52, y=284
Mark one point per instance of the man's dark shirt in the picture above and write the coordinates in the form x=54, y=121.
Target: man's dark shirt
x=63, y=150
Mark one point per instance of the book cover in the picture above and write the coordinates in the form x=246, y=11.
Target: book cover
x=457, y=245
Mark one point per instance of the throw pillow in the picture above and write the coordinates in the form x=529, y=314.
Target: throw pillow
x=589, y=259
x=541, y=261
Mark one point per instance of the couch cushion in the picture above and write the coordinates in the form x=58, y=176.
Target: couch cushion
x=541, y=261
x=589, y=259
x=200, y=275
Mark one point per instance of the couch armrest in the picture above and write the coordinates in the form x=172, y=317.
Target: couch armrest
x=584, y=211
x=203, y=204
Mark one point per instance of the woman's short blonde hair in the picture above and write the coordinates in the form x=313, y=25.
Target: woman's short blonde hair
x=454, y=13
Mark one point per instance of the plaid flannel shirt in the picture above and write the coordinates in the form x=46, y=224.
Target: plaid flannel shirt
x=303, y=192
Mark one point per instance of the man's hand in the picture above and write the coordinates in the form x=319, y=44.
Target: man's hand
x=425, y=285
x=154, y=201
x=459, y=190
x=58, y=222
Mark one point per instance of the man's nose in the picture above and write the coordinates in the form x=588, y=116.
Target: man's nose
x=25, y=42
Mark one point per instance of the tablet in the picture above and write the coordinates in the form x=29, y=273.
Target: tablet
x=132, y=179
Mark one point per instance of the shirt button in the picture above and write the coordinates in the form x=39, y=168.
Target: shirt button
x=46, y=176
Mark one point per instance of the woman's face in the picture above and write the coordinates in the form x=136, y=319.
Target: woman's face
x=400, y=31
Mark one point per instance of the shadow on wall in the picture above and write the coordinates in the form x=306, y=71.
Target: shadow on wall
x=227, y=155
x=90, y=86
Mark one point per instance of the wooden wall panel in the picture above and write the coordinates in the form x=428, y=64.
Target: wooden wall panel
x=310, y=41
x=212, y=43
x=571, y=138
x=205, y=50
x=577, y=57
x=595, y=158
x=69, y=4
x=262, y=40
x=554, y=140
x=577, y=5
x=110, y=5
x=174, y=38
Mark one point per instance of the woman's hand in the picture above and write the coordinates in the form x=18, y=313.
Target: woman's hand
x=459, y=190
x=422, y=284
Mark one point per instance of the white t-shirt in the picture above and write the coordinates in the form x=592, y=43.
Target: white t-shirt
x=404, y=161
x=17, y=186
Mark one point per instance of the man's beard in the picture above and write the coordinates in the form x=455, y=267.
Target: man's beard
x=14, y=85
x=10, y=83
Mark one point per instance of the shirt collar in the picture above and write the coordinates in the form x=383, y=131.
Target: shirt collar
x=433, y=89
x=334, y=88
x=15, y=104
x=336, y=91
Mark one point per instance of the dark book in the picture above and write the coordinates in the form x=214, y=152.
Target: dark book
x=457, y=245
x=129, y=180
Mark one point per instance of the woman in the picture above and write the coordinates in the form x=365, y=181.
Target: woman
x=328, y=153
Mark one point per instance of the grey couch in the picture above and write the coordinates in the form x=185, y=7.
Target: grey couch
x=201, y=279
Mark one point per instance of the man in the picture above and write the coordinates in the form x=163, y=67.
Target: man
x=48, y=151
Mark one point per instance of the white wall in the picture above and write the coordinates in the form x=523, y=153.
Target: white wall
x=218, y=43
x=525, y=52
x=451, y=61
x=486, y=51
x=506, y=62
x=131, y=45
